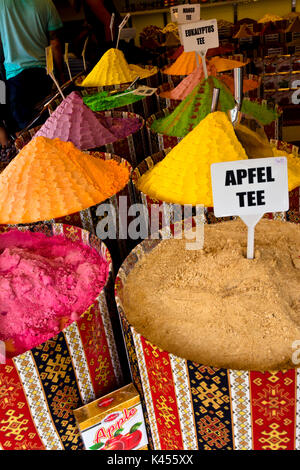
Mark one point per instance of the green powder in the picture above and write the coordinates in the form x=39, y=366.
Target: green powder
x=103, y=101
x=196, y=106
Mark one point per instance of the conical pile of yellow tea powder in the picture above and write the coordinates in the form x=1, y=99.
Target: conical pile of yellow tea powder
x=293, y=163
x=113, y=69
x=183, y=176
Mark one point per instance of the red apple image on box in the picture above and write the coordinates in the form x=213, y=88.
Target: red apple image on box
x=114, y=422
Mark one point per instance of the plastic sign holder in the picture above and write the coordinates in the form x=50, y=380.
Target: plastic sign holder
x=121, y=26
x=249, y=189
x=185, y=13
x=50, y=69
x=83, y=53
x=66, y=58
x=111, y=26
x=144, y=91
x=200, y=37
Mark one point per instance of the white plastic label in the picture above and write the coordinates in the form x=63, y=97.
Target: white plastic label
x=144, y=91
x=185, y=13
x=199, y=36
x=128, y=33
x=248, y=187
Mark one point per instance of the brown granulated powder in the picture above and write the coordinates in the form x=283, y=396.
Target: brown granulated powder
x=214, y=306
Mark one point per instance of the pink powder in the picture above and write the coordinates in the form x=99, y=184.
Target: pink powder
x=120, y=127
x=73, y=121
x=187, y=85
x=45, y=284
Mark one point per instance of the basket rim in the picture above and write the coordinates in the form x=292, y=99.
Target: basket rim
x=127, y=266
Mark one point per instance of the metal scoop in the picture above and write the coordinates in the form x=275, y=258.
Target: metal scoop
x=215, y=100
x=235, y=113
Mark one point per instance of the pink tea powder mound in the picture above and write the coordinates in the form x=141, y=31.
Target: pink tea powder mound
x=120, y=127
x=46, y=283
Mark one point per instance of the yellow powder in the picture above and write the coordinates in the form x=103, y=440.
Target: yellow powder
x=183, y=176
x=293, y=167
x=113, y=69
x=269, y=17
x=51, y=178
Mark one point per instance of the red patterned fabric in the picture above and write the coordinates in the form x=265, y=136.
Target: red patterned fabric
x=163, y=396
x=273, y=402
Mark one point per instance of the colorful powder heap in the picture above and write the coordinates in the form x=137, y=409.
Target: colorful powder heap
x=293, y=167
x=46, y=283
x=113, y=69
x=223, y=65
x=249, y=84
x=120, y=127
x=196, y=106
x=51, y=178
x=187, y=62
x=103, y=101
x=187, y=85
x=269, y=17
x=72, y=121
x=183, y=176
x=184, y=65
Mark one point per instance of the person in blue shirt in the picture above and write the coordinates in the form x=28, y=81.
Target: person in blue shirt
x=27, y=27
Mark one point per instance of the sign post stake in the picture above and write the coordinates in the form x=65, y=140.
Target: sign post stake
x=121, y=26
x=203, y=57
x=111, y=26
x=66, y=57
x=83, y=53
x=251, y=221
x=50, y=69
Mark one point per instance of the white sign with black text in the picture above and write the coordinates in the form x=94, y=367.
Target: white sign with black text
x=250, y=186
x=185, y=13
x=199, y=36
x=249, y=189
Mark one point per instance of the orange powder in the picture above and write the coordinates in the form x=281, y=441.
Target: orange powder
x=248, y=84
x=52, y=178
x=184, y=65
x=222, y=65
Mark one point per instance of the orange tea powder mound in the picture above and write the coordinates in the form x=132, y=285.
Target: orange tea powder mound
x=184, y=65
x=52, y=178
x=222, y=65
x=248, y=84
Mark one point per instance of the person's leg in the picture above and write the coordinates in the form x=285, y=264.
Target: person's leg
x=24, y=91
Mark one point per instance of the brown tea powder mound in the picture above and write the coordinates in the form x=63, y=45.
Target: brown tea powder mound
x=216, y=307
